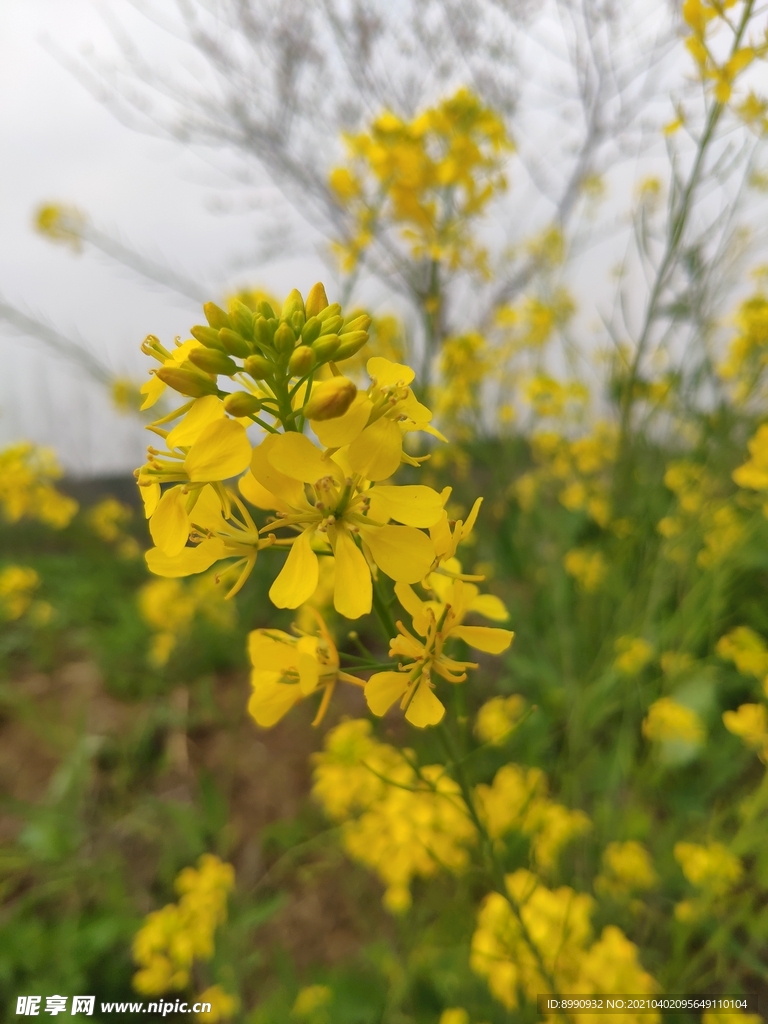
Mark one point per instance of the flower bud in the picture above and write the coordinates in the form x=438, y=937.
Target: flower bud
x=234, y=343
x=331, y=325
x=325, y=347
x=207, y=336
x=311, y=330
x=242, y=319
x=350, y=344
x=285, y=339
x=330, y=398
x=317, y=300
x=216, y=316
x=297, y=321
x=333, y=310
x=264, y=331
x=359, y=323
x=242, y=404
x=294, y=303
x=302, y=360
x=212, y=361
x=191, y=383
x=266, y=310
x=258, y=367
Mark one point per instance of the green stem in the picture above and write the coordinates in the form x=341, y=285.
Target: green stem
x=382, y=612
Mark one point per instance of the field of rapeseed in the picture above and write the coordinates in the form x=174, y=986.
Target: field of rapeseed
x=414, y=680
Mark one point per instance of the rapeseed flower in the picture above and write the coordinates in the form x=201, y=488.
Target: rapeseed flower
x=750, y=723
x=498, y=717
x=287, y=669
x=434, y=622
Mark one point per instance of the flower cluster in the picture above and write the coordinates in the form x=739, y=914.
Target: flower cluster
x=431, y=177
x=517, y=801
x=108, y=519
x=172, y=939
x=712, y=869
x=401, y=821
x=704, y=18
x=748, y=651
x=627, y=868
x=703, y=517
x=545, y=945
x=27, y=473
x=18, y=584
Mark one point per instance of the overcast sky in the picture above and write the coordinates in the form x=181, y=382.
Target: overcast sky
x=60, y=144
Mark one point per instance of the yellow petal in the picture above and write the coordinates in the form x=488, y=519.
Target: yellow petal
x=188, y=561
x=377, y=452
x=403, y=553
x=385, y=372
x=169, y=525
x=344, y=429
x=353, y=591
x=153, y=389
x=297, y=580
x=289, y=491
x=204, y=411
x=221, y=451
x=207, y=512
x=383, y=689
x=271, y=700
x=309, y=673
x=295, y=456
x=441, y=535
x=425, y=709
x=258, y=495
x=273, y=651
x=150, y=495
x=414, y=504
x=409, y=599
x=484, y=638
x=489, y=606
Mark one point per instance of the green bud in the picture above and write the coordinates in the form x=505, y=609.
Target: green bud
x=330, y=399
x=285, y=339
x=333, y=310
x=216, y=316
x=317, y=300
x=293, y=304
x=258, y=367
x=264, y=331
x=311, y=330
x=350, y=344
x=207, y=336
x=242, y=404
x=360, y=323
x=302, y=360
x=266, y=310
x=331, y=325
x=235, y=343
x=211, y=360
x=191, y=383
x=325, y=347
x=242, y=319
x=297, y=321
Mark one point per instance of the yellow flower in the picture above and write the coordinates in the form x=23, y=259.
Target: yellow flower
x=373, y=428
x=498, y=717
x=667, y=721
x=342, y=508
x=626, y=867
x=399, y=823
x=286, y=669
x=557, y=922
x=746, y=649
x=517, y=800
x=169, y=609
x=310, y=1000
x=712, y=868
x=750, y=722
x=17, y=586
x=435, y=622
x=612, y=965
x=27, y=473
x=754, y=472
x=634, y=654
x=171, y=939
x=222, y=1004
x=454, y=1015
x=588, y=568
